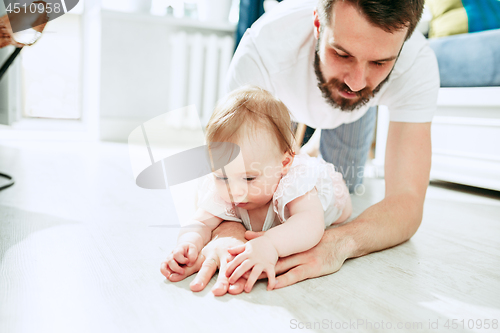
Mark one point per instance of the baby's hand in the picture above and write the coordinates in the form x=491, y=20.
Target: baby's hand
x=258, y=255
x=184, y=254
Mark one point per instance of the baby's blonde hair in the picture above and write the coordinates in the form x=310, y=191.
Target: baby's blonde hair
x=255, y=107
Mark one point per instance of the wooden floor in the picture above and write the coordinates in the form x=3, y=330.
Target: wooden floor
x=81, y=246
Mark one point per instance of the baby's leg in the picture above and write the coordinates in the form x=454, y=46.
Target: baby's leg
x=346, y=212
x=342, y=197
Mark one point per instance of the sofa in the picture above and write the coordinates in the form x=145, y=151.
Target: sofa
x=466, y=126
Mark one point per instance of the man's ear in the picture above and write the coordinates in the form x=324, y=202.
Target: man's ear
x=286, y=163
x=316, y=24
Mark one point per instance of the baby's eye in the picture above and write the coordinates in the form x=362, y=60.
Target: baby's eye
x=221, y=178
x=249, y=179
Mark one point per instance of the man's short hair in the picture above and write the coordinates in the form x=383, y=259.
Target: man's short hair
x=389, y=15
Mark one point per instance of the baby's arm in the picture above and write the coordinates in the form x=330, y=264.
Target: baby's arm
x=302, y=231
x=192, y=238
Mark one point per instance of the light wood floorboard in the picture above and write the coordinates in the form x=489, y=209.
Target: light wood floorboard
x=80, y=250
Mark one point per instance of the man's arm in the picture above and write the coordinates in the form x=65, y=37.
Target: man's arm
x=397, y=217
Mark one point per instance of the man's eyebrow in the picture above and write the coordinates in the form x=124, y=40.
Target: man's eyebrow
x=337, y=46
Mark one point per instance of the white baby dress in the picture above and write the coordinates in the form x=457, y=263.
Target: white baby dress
x=305, y=173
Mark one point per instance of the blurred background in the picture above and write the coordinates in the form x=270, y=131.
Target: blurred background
x=106, y=66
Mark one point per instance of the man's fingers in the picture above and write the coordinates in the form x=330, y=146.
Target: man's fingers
x=286, y=263
x=222, y=284
x=252, y=279
x=238, y=287
x=292, y=276
x=206, y=272
x=247, y=275
x=240, y=270
x=174, y=277
x=271, y=275
x=249, y=235
x=164, y=269
x=236, y=250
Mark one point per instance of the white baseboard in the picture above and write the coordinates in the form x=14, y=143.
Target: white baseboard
x=465, y=137
x=467, y=171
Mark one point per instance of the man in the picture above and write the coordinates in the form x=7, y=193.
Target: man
x=329, y=68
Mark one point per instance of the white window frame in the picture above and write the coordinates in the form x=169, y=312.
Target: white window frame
x=86, y=128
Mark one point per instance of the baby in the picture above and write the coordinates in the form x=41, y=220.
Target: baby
x=268, y=188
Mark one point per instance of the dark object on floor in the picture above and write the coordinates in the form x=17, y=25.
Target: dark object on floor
x=9, y=183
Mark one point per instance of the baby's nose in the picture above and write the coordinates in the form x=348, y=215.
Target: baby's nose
x=239, y=190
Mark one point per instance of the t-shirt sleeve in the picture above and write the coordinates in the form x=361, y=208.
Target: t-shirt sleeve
x=247, y=67
x=413, y=95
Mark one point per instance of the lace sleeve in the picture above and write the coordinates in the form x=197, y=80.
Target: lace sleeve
x=300, y=179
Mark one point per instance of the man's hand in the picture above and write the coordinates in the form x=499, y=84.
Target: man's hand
x=6, y=33
x=214, y=255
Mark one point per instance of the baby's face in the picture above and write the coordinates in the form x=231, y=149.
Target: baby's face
x=251, y=179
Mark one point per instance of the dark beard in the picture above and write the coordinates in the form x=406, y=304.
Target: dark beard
x=344, y=104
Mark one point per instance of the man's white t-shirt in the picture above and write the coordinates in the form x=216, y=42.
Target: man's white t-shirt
x=277, y=54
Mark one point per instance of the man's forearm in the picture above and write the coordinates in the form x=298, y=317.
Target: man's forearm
x=229, y=229
x=388, y=223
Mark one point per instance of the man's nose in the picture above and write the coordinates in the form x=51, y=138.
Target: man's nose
x=356, y=77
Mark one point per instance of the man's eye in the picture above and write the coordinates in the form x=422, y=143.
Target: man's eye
x=376, y=63
x=341, y=55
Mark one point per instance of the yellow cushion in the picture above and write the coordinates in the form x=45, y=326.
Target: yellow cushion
x=448, y=18
x=439, y=7
x=453, y=22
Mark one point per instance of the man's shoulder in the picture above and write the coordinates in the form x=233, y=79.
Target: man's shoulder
x=285, y=16
x=411, y=93
x=284, y=33
x=414, y=50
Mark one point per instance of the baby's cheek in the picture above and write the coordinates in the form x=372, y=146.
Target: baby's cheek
x=222, y=191
x=254, y=190
x=267, y=190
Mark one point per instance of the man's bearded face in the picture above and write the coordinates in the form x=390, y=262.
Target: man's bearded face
x=333, y=85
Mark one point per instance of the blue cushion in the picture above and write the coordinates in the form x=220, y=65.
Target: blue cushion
x=469, y=60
